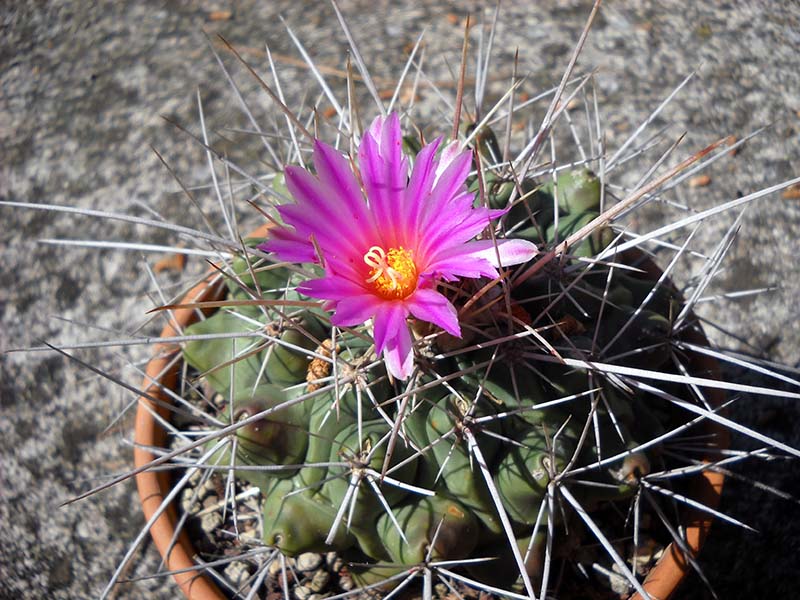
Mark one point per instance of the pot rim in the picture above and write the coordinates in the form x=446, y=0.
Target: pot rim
x=177, y=551
x=162, y=374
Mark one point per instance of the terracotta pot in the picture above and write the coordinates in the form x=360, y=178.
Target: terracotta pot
x=162, y=372
x=154, y=486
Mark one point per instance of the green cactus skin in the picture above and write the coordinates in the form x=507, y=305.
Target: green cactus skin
x=325, y=422
x=346, y=447
x=487, y=144
x=279, y=438
x=300, y=522
x=498, y=385
x=437, y=520
x=373, y=575
x=645, y=343
x=578, y=191
x=287, y=366
x=411, y=145
x=524, y=472
x=214, y=357
x=457, y=468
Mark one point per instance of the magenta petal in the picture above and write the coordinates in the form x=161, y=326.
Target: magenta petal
x=315, y=215
x=509, y=252
x=336, y=176
x=449, y=183
x=424, y=172
x=290, y=251
x=330, y=288
x=392, y=141
x=420, y=184
x=445, y=235
x=355, y=310
x=375, y=128
x=289, y=246
x=393, y=339
x=399, y=355
x=449, y=154
x=389, y=319
x=372, y=174
x=431, y=306
x=460, y=265
x=384, y=171
x=430, y=213
x=448, y=233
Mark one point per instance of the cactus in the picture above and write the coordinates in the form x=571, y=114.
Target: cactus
x=465, y=466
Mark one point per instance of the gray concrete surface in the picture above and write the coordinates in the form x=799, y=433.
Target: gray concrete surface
x=83, y=86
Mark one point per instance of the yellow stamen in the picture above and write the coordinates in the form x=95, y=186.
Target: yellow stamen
x=393, y=274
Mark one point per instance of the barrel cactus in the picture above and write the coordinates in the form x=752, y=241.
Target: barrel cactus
x=443, y=367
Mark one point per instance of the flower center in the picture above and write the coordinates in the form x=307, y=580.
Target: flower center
x=393, y=274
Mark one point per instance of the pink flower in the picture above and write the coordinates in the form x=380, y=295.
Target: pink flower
x=384, y=256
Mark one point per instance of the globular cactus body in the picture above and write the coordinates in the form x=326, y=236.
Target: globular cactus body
x=430, y=499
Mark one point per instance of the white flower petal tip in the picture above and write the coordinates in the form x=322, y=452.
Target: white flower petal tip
x=504, y=253
x=515, y=252
x=399, y=366
x=448, y=155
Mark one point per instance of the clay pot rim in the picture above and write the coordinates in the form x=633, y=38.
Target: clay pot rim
x=177, y=551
